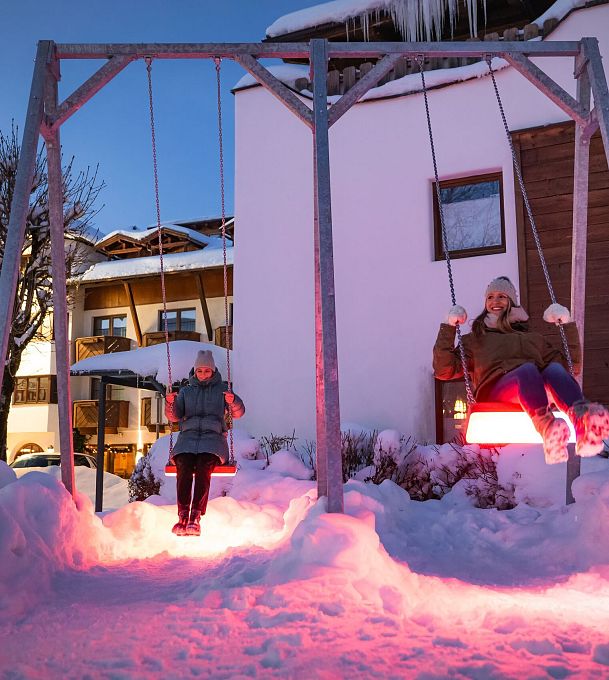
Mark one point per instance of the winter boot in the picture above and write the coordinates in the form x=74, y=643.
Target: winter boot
x=591, y=423
x=179, y=529
x=193, y=527
x=555, y=433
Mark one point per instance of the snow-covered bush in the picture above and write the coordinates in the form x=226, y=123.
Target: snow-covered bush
x=358, y=451
x=274, y=442
x=142, y=482
x=430, y=472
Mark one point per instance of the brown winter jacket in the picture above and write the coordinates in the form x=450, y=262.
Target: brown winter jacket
x=494, y=353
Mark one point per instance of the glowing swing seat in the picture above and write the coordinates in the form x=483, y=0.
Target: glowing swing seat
x=227, y=470
x=500, y=423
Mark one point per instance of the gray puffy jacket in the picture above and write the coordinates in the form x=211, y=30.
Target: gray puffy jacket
x=199, y=408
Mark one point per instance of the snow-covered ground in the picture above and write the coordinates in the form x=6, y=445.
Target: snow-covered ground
x=276, y=587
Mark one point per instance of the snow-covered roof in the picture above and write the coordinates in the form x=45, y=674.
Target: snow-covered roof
x=337, y=11
x=143, y=234
x=341, y=11
x=290, y=73
x=209, y=257
x=152, y=361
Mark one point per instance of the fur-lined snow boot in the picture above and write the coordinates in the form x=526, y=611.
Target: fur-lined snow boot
x=194, y=525
x=179, y=529
x=555, y=433
x=591, y=423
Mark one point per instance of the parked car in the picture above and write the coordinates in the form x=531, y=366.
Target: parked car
x=38, y=460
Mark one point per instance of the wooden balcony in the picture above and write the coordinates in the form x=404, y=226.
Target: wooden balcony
x=158, y=337
x=148, y=416
x=224, y=336
x=86, y=412
x=101, y=344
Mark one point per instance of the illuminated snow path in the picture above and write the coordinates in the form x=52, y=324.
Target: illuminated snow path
x=277, y=588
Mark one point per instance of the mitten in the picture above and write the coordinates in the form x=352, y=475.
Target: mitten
x=456, y=314
x=556, y=313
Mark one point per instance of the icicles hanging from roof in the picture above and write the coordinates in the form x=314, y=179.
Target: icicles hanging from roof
x=421, y=20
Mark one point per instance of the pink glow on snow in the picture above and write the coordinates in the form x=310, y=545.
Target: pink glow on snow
x=276, y=587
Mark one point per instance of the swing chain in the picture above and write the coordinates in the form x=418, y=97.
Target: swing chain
x=148, y=61
x=218, y=64
x=466, y=376
x=525, y=198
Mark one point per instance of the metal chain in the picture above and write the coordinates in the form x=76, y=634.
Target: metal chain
x=525, y=198
x=466, y=376
x=218, y=63
x=158, y=223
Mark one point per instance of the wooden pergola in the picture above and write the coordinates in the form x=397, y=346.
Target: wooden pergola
x=46, y=114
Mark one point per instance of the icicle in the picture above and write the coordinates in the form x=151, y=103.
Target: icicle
x=419, y=20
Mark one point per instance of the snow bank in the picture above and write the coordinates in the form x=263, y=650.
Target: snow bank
x=42, y=531
x=152, y=361
x=116, y=492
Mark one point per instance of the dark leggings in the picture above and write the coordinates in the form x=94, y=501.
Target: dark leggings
x=527, y=385
x=201, y=466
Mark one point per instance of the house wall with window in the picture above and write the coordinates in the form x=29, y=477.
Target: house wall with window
x=391, y=293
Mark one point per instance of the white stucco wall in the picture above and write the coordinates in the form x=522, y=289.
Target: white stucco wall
x=390, y=294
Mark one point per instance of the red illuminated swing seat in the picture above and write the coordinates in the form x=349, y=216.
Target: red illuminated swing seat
x=502, y=423
x=219, y=471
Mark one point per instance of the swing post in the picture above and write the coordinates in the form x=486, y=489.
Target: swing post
x=58, y=266
x=329, y=455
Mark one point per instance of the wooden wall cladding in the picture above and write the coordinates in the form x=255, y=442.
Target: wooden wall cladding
x=547, y=157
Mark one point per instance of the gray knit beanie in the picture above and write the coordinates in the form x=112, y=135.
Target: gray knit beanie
x=205, y=358
x=503, y=285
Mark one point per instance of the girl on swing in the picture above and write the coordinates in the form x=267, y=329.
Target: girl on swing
x=199, y=408
x=508, y=363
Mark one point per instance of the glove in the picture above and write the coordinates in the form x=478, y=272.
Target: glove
x=456, y=314
x=229, y=398
x=557, y=314
x=170, y=397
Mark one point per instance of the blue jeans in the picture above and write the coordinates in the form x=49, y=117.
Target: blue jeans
x=527, y=385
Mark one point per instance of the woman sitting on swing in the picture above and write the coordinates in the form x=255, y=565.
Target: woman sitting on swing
x=508, y=363
x=200, y=409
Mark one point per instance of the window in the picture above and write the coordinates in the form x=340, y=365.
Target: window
x=40, y=389
x=473, y=215
x=178, y=320
x=110, y=325
x=451, y=410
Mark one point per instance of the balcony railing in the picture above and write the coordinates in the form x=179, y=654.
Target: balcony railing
x=101, y=344
x=86, y=415
x=158, y=337
x=148, y=416
x=224, y=336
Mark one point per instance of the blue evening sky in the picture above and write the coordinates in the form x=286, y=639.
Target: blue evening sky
x=113, y=129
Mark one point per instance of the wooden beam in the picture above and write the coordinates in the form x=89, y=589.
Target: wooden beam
x=133, y=310
x=204, y=308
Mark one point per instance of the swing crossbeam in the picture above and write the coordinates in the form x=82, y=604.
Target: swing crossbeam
x=45, y=116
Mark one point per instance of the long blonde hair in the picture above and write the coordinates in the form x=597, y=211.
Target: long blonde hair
x=479, y=328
